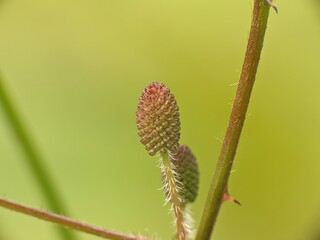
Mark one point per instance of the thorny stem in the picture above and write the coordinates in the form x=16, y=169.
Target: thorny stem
x=67, y=222
x=171, y=189
x=33, y=157
x=236, y=121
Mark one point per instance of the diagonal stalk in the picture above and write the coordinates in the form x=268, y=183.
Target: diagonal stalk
x=236, y=121
x=67, y=222
x=172, y=192
x=33, y=158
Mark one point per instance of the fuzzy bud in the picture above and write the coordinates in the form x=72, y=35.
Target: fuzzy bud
x=186, y=167
x=158, y=119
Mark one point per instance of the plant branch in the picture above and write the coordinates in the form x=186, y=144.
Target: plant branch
x=236, y=121
x=67, y=222
x=33, y=157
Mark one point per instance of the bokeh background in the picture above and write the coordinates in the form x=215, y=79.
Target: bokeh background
x=75, y=70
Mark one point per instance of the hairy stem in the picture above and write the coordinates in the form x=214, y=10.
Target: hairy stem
x=236, y=121
x=172, y=192
x=33, y=157
x=67, y=222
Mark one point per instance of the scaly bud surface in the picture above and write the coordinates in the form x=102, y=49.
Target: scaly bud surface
x=158, y=119
x=186, y=167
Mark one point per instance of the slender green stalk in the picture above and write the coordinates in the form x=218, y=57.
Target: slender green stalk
x=33, y=157
x=67, y=222
x=172, y=192
x=236, y=121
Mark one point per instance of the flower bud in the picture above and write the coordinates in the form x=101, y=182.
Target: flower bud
x=158, y=119
x=186, y=167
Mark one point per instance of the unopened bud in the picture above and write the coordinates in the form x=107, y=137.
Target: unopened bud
x=186, y=167
x=158, y=119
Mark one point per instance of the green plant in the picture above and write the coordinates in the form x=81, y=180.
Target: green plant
x=159, y=129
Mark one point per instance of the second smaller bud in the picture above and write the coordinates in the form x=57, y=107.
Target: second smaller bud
x=186, y=167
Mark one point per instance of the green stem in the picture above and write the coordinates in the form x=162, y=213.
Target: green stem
x=67, y=222
x=172, y=193
x=33, y=157
x=236, y=121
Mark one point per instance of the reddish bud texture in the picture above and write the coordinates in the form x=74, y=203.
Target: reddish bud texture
x=158, y=119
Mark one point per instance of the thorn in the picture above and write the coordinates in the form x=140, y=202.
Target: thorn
x=229, y=198
x=271, y=4
x=237, y=202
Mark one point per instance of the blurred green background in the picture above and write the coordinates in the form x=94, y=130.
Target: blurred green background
x=76, y=69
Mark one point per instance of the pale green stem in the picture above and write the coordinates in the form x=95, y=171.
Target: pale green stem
x=172, y=192
x=33, y=158
x=236, y=121
x=67, y=222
